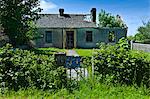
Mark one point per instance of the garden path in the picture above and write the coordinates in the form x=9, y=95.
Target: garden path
x=72, y=53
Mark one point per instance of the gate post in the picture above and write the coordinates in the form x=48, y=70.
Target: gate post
x=60, y=58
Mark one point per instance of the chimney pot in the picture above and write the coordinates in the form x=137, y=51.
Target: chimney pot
x=93, y=13
x=61, y=12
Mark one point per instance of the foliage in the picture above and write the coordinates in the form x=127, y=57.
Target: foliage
x=22, y=69
x=122, y=64
x=32, y=33
x=139, y=37
x=143, y=33
x=3, y=40
x=52, y=49
x=86, y=61
x=108, y=20
x=15, y=17
x=47, y=51
x=131, y=38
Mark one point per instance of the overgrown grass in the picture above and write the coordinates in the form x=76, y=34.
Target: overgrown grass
x=86, y=91
x=51, y=49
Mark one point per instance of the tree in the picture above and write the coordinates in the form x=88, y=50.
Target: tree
x=15, y=16
x=143, y=33
x=108, y=20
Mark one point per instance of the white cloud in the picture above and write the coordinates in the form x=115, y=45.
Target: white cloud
x=47, y=5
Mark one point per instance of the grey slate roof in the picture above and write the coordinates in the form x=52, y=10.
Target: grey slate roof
x=66, y=21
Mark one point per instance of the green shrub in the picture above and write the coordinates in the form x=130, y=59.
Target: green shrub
x=47, y=51
x=22, y=69
x=86, y=61
x=146, y=41
x=122, y=65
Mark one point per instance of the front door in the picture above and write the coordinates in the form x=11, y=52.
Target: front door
x=69, y=39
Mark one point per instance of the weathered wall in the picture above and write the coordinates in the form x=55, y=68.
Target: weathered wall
x=57, y=38
x=119, y=33
x=99, y=35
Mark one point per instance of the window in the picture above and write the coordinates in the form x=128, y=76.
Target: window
x=111, y=37
x=89, y=36
x=48, y=36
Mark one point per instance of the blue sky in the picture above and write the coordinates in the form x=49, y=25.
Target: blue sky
x=133, y=12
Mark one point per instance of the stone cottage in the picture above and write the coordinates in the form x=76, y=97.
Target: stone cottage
x=74, y=31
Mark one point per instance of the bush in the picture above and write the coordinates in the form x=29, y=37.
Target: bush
x=22, y=69
x=86, y=61
x=146, y=41
x=122, y=65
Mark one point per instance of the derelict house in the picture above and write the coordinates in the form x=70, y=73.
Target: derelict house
x=74, y=31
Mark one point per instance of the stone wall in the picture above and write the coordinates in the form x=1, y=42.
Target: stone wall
x=142, y=47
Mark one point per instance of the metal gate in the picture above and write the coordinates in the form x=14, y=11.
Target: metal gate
x=74, y=69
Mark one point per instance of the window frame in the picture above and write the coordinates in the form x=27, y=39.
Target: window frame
x=47, y=36
x=89, y=36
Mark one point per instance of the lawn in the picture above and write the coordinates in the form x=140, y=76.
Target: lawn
x=81, y=52
x=84, y=52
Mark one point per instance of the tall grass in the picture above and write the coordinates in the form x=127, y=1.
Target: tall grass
x=88, y=89
x=110, y=91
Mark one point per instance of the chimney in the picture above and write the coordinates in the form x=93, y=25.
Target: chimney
x=93, y=13
x=61, y=12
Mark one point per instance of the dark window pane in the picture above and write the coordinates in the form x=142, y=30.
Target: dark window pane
x=48, y=37
x=89, y=36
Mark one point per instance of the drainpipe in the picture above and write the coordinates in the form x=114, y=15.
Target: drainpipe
x=62, y=39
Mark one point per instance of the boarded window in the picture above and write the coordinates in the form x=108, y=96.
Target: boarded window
x=48, y=36
x=111, y=37
x=89, y=36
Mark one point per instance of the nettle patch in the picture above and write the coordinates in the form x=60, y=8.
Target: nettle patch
x=22, y=69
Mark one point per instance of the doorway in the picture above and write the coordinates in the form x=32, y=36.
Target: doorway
x=69, y=39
